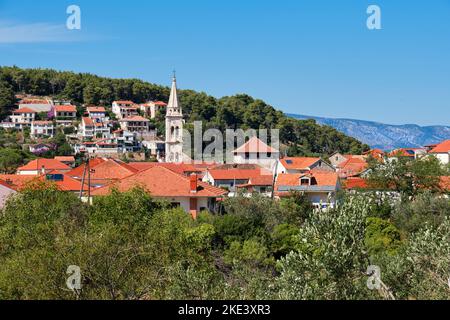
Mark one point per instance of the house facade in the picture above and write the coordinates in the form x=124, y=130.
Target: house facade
x=320, y=187
x=255, y=151
x=42, y=129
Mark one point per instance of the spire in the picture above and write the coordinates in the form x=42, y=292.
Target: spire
x=173, y=106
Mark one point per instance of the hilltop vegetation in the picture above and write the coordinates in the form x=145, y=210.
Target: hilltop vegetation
x=239, y=111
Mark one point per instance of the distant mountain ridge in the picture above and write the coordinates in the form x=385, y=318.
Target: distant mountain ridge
x=385, y=136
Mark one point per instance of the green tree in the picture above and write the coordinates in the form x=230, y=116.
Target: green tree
x=10, y=160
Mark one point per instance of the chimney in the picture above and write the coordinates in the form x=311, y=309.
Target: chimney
x=193, y=183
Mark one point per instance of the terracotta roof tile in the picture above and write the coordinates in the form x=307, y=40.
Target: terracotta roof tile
x=299, y=163
x=161, y=182
x=49, y=164
x=255, y=145
x=443, y=147
x=65, y=108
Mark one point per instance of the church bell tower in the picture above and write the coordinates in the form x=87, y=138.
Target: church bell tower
x=174, y=127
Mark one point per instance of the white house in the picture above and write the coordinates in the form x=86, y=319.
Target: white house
x=97, y=113
x=42, y=129
x=65, y=115
x=152, y=108
x=135, y=124
x=320, y=187
x=124, y=109
x=90, y=128
x=302, y=165
x=255, y=151
x=6, y=191
x=442, y=152
x=23, y=116
x=37, y=105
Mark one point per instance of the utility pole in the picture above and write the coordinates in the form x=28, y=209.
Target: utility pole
x=83, y=178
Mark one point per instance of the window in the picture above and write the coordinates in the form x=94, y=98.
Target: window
x=304, y=181
x=247, y=155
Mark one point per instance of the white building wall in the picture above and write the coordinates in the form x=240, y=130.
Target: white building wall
x=5, y=193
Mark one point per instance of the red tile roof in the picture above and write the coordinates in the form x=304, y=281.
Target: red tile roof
x=355, y=183
x=34, y=101
x=19, y=182
x=65, y=108
x=160, y=103
x=42, y=122
x=319, y=178
x=404, y=152
x=263, y=180
x=95, y=109
x=445, y=183
x=135, y=118
x=162, y=182
x=15, y=181
x=124, y=102
x=78, y=171
x=66, y=159
x=49, y=164
x=67, y=184
x=352, y=167
x=376, y=153
x=180, y=168
x=255, y=145
x=24, y=110
x=88, y=121
x=105, y=170
x=443, y=147
x=298, y=163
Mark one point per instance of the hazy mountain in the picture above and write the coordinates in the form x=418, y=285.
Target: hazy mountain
x=385, y=136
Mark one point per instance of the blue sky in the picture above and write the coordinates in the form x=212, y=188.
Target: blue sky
x=313, y=57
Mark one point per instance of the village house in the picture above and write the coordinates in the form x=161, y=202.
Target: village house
x=254, y=180
x=320, y=187
x=302, y=164
x=255, y=151
x=41, y=148
x=135, y=124
x=37, y=105
x=97, y=113
x=151, y=109
x=188, y=193
x=124, y=109
x=42, y=166
x=42, y=129
x=24, y=116
x=442, y=152
x=93, y=127
x=352, y=167
x=65, y=115
x=103, y=171
x=412, y=153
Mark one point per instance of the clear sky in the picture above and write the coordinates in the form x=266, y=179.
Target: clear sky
x=313, y=57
